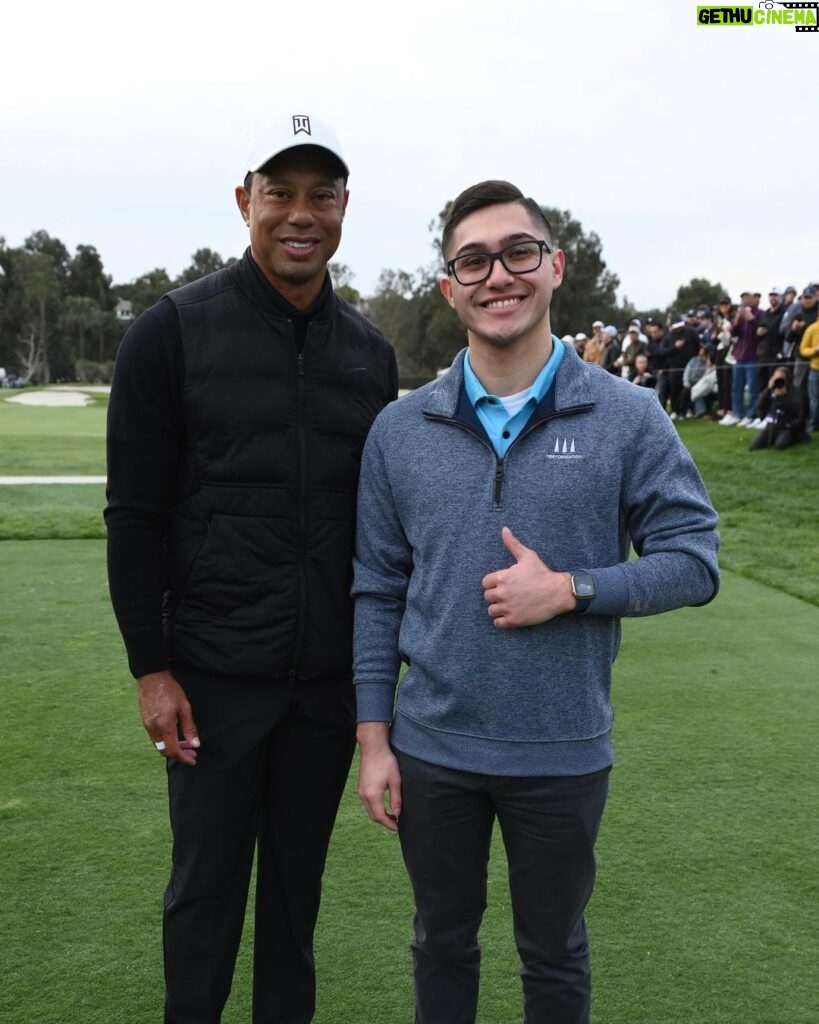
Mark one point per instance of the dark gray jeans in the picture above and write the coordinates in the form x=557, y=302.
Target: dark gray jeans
x=549, y=826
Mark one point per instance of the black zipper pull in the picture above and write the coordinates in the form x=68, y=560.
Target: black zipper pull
x=498, y=479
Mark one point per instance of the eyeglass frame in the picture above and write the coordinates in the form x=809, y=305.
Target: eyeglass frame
x=498, y=255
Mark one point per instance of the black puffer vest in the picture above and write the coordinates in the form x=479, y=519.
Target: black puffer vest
x=260, y=545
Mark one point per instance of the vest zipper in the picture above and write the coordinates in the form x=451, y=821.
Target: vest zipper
x=301, y=543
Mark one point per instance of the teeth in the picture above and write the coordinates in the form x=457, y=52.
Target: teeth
x=501, y=303
x=300, y=245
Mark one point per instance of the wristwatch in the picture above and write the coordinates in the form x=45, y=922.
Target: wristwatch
x=583, y=590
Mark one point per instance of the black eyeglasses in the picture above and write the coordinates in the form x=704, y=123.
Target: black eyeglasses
x=520, y=258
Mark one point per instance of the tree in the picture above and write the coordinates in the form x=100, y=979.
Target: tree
x=146, y=290
x=589, y=289
x=342, y=278
x=698, y=292
x=203, y=261
x=79, y=316
x=424, y=330
x=40, y=287
x=53, y=249
x=87, y=279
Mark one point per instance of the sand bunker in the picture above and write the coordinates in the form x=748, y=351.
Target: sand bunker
x=57, y=396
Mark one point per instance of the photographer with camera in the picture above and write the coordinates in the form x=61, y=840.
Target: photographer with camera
x=780, y=406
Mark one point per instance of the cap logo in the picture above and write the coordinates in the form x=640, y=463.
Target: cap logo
x=301, y=123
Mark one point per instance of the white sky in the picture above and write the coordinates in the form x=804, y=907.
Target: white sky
x=691, y=151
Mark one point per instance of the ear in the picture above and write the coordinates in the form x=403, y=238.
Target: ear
x=344, y=203
x=446, y=290
x=558, y=266
x=243, y=202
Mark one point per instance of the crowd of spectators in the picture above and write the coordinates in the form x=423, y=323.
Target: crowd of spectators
x=733, y=362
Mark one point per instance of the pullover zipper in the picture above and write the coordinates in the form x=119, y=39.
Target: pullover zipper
x=500, y=463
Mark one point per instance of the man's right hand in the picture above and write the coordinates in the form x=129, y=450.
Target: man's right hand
x=165, y=712
x=378, y=774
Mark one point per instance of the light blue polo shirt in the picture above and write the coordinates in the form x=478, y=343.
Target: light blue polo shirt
x=501, y=427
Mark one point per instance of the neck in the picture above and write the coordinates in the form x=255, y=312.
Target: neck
x=298, y=293
x=508, y=370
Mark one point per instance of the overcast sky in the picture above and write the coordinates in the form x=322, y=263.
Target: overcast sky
x=691, y=151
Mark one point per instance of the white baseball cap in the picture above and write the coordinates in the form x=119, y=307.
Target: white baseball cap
x=289, y=131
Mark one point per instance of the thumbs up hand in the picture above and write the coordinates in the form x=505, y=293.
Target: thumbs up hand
x=528, y=592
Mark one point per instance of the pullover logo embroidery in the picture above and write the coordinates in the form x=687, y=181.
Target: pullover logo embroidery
x=301, y=123
x=564, y=449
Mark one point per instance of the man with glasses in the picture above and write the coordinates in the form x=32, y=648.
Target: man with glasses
x=497, y=506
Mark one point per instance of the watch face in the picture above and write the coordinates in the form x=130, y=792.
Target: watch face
x=583, y=586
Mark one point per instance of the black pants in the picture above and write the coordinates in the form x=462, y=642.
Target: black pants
x=549, y=827
x=774, y=436
x=270, y=774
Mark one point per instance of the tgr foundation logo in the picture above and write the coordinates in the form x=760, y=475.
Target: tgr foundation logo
x=803, y=16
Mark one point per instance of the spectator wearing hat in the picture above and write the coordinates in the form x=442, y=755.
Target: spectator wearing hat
x=638, y=323
x=803, y=317
x=789, y=308
x=611, y=350
x=632, y=346
x=596, y=344
x=705, y=324
x=680, y=345
x=809, y=349
x=767, y=332
x=692, y=320
x=580, y=340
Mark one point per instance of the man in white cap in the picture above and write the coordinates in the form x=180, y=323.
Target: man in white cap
x=238, y=414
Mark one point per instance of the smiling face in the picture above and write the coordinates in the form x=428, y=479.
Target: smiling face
x=506, y=309
x=294, y=209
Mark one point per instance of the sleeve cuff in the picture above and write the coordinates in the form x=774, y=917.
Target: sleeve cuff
x=374, y=702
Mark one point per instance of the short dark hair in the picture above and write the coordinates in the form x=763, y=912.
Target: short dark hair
x=490, y=193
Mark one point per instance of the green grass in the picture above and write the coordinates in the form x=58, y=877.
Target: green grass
x=52, y=511
x=768, y=503
x=40, y=440
x=705, y=906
